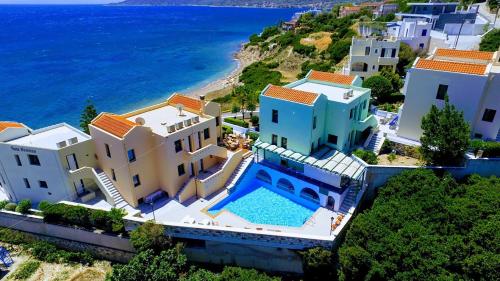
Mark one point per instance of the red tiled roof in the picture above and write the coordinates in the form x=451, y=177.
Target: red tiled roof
x=5, y=125
x=331, y=77
x=189, y=102
x=351, y=8
x=460, y=67
x=290, y=94
x=114, y=124
x=464, y=54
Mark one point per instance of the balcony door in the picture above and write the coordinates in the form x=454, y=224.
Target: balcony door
x=72, y=163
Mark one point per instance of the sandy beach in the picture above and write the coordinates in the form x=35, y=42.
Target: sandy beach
x=222, y=86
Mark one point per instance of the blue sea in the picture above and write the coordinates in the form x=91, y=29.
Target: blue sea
x=54, y=58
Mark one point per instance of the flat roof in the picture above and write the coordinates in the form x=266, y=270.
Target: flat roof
x=49, y=137
x=160, y=118
x=332, y=92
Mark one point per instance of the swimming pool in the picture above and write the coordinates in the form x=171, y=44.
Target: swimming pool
x=260, y=204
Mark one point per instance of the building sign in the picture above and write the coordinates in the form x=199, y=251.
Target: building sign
x=22, y=149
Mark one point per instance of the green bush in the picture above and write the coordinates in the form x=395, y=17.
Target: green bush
x=381, y=87
x=367, y=156
x=237, y=122
x=489, y=148
x=150, y=236
x=11, y=207
x=253, y=135
x=43, y=205
x=100, y=219
x=227, y=129
x=3, y=203
x=255, y=120
x=318, y=264
x=24, y=206
x=25, y=270
x=490, y=41
x=14, y=237
x=47, y=252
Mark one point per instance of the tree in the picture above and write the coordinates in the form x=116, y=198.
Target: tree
x=318, y=264
x=235, y=109
x=394, y=78
x=251, y=107
x=88, y=114
x=381, y=87
x=150, y=236
x=446, y=136
x=406, y=58
x=490, y=41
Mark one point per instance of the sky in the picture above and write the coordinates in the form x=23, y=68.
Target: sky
x=57, y=1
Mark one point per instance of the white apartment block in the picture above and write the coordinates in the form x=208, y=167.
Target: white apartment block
x=36, y=164
x=470, y=79
x=368, y=56
x=414, y=32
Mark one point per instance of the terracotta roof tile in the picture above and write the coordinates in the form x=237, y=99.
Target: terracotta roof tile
x=351, y=8
x=5, y=125
x=189, y=102
x=290, y=94
x=331, y=77
x=114, y=124
x=464, y=54
x=460, y=67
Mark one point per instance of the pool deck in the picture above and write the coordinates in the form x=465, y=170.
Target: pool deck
x=194, y=210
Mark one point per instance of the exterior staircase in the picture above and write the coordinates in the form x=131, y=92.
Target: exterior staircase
x=240, y=169
x=181, y=190
x=349, y=200
x=120, y=203
x=376, y=142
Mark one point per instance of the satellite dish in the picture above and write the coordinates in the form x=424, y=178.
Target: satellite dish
x=180, y=107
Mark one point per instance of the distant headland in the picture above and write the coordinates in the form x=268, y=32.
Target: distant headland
x=233, y=3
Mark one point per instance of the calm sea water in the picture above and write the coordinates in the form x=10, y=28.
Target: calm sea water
x=53, y=58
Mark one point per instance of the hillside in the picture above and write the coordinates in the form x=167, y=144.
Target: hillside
x=236, y=3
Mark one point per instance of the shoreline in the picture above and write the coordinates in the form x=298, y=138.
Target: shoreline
x=244, y=57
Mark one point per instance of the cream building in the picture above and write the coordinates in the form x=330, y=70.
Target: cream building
x=158, y=149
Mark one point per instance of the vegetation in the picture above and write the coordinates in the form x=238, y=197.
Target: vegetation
x=255, y=120
x=367, y=156
x=3, y=203
x=445, y=137
x=319, y=264
x=491, y=41
x=237, y=122
x=11, y=207
x=227, y=130
x=381, y=87
x=24, y=206
x=88, y=114
x=406, y=58
x=25, y=270
x=150, y=236
x=253, y=136
x=489, y=148
x=426, y=227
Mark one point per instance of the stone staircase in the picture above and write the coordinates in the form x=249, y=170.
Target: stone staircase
x=240, y=169
x=349, y=200
x=181, y=190
x=120, y=203
x=376, y=142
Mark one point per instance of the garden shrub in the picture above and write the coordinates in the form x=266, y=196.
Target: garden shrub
x=100, y=219
x=3, y=203
x=318, y=264
x=47, y=252
x=13, y=237
x=150, y=236
x=116, y=218
x=24, y=206
x=237, y=122
x=227, y=129
x=489, y=148
x=25, y=270
x=43, y=205
x=253, y=135
x=255, y=120
x=10, y=207
x=367, y=156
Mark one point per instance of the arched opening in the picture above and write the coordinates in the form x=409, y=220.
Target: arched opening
x=359, y=66
x=309, y=194
x=285, y=185
x=330, y=204
x=264, y=176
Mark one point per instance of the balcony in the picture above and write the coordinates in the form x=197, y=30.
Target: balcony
x=204, y=152
x=369, y=121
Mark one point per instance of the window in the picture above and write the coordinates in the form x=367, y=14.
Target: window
x=442, y=91
x=284, y=142
x=274, y=139
x=131, y=155
x=113, y=175
x=178, y=145
x=180, y=170
x=332, y=139
x=43, y=184
x=18, y=160
x=314, y=122
x=34, y=160
x=206, y=133
x=351, y=113
x=108, y=152
x=489, y=115
x=424, y=32
x=367, y=51
x=136, y=180
x=382, y=54
x=393, y=53
x=27, y=183
x=217, y=121
x=421, y=46
x=275, y=116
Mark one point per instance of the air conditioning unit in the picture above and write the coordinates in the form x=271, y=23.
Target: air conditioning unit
x=73, y=140
x=351, y=93
x=171, y=128
x=196, y=119
x=179, y=125
x=187, y=122
x=61, y=144
x=346, y=95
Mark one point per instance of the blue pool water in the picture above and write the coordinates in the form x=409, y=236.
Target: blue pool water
x=54, y=58
x=259, y=204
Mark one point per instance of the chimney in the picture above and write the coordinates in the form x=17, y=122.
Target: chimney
x=203, y=104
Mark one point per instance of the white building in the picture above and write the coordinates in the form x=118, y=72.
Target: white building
x=368, y=56
x=36, y=164
x=414, y=32
x=470, y=79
